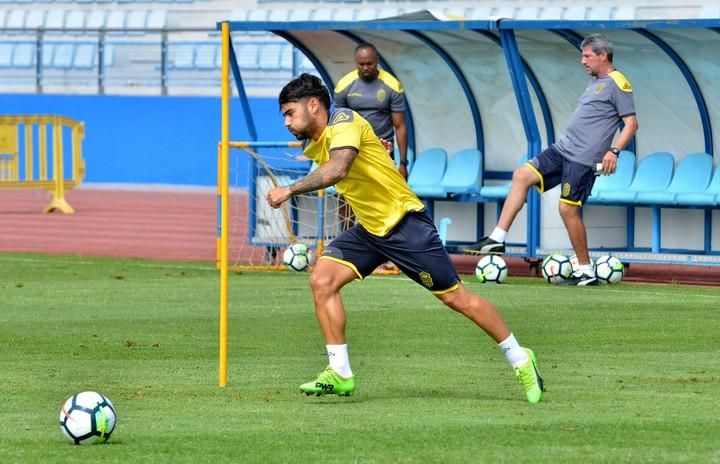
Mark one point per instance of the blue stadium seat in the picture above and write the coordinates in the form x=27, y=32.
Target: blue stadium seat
x=575, y=12
x=157, y=19
x=85, y=54
x=366, y=14
x=48, y=52
x=278, y=15
x=96, y=19
x=620, y=180
x=286, y=58
x=247, y=56
x=550, y=12
x=3, y=15
x=6, y=55
x=343, y=14
x=300, y=14
x=428, y=169
x=24, y=55
x=75, y=19
x=692, y=175
x=269, y=56
x=463, y=175
x=322, y=14
x=184, y=57
x=709, y=197
x=654, y=173
x=15, y=19
x=136, y=20
x=115, y=20
x=109, y=55
x=205, y=56
x=64, y=53
x=35, y=19
x=55, y=19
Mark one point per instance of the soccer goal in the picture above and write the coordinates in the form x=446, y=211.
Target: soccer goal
x=257, y=233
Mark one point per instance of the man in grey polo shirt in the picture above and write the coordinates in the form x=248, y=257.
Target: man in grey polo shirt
x=606, y=103
x=378, y=97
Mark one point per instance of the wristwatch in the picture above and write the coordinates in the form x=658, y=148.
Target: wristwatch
x=615, y=151
x=404, y=162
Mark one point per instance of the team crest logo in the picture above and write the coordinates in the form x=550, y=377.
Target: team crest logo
x=381, y=94
x=566, y=189
x=599, y=88
x=341, y=117
x=426, y=279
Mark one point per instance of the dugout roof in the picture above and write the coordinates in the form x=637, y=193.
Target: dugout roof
x=508, y=87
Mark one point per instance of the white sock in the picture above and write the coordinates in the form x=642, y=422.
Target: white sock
x=587, y=269
x=498, y=234
x=513, y=352
x=339, y=360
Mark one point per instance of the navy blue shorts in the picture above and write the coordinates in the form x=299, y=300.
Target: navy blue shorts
x=413, y=245
x=577, y=179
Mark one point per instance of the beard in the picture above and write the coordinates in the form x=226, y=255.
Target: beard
x=301, y=135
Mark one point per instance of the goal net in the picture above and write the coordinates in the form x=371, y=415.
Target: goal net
x=257, y=233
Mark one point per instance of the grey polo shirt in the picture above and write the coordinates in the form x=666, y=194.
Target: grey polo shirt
x=375, y=100
x=596, y=119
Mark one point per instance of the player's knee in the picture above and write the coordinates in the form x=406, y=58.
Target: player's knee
x=567, y=210
x=321, y=282
x=524, y=176
x=457, y=299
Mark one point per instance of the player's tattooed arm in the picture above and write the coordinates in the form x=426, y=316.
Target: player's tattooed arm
x=326, y=174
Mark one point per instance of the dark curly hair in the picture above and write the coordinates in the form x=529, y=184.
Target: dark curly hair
x=305, y=86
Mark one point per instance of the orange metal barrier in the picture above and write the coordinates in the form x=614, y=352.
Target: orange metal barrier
x=28, y=168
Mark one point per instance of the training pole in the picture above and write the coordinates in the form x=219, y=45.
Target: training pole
x=224, y=192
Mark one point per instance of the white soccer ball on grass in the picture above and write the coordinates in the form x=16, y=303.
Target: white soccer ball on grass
x=609, y=269
x=556, y=268
x=87, y=418
x=491, y=269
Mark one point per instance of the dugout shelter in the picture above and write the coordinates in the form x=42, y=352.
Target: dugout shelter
x=507, y=88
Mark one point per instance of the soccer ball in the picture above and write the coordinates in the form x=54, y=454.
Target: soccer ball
x=609, y=269
x=556, y=268
x=491, y=269
x=87, y=418
x=297, y=257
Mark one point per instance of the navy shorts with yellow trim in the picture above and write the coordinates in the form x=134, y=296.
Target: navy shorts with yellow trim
x=577, y=179
x=413, y=245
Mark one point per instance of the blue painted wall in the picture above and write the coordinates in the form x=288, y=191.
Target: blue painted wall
x=151, y=139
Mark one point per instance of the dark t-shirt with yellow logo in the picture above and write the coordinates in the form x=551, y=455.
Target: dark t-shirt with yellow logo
x=598, y=115
x=375, y=100
x=374, y=188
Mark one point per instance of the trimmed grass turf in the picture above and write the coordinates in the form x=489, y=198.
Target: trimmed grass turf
x=632, y=371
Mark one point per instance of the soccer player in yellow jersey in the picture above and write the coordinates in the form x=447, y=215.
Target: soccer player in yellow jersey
x=392, y=224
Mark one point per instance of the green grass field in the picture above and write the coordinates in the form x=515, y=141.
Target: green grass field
x=632, y=371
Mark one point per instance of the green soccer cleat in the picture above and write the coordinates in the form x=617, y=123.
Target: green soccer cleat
x=329, y=382
x=530, y=379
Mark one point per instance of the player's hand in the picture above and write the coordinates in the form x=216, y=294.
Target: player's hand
x=278, y=195
x=388, y=145
x=609, y=163
x=403, y=171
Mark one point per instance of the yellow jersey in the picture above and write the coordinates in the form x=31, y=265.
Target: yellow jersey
x=375, y=190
